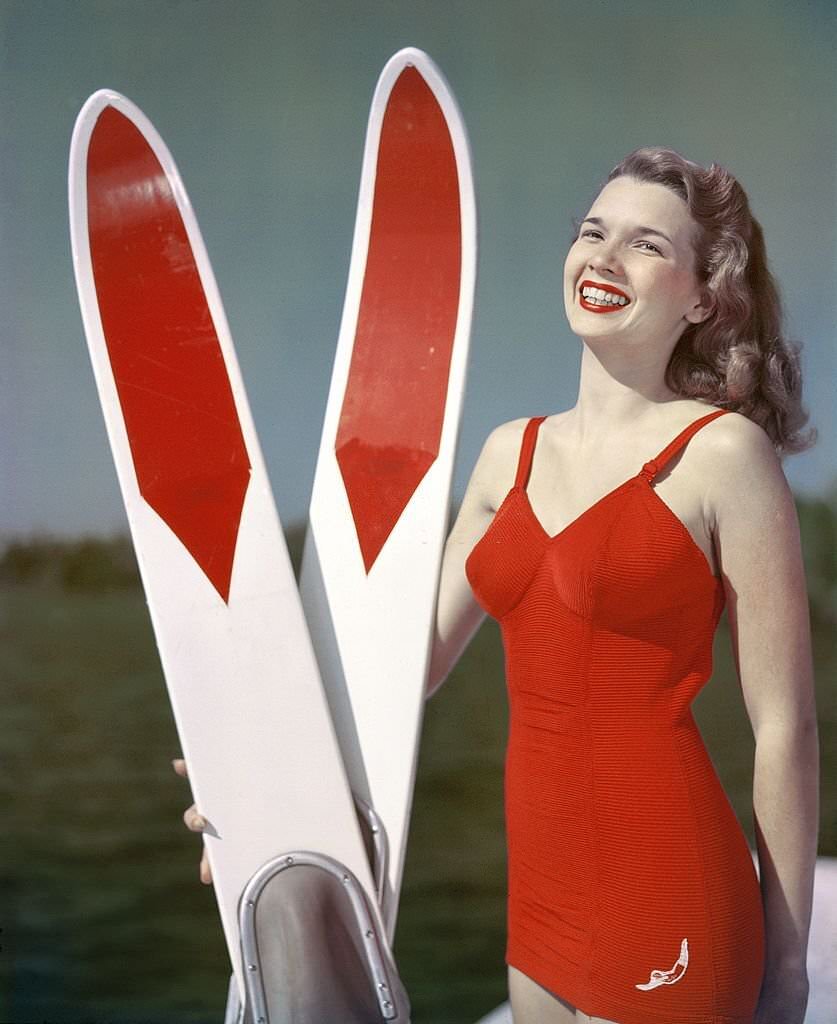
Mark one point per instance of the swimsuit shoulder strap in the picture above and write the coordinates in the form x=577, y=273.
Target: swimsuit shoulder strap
x=653, y=466
x=527, y=448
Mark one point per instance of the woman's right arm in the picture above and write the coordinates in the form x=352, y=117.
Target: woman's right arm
x=458, y=615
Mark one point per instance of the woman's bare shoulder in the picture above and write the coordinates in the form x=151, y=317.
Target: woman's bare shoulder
x=502, y=445
x=498, y=452
x=496, y=465
x=740, y=446
x=741, y=463
x=504, y=434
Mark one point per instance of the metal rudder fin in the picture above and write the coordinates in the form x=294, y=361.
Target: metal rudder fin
x=314, y=949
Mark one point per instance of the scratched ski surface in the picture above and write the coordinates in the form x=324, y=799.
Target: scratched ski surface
x=248, y=702
x=379, y=507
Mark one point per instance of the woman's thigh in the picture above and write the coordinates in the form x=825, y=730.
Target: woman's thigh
x=531, y=1003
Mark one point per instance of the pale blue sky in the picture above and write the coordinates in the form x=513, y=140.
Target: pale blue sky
x=264, y=107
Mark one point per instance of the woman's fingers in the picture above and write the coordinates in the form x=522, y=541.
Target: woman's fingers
x=195, y=822
x=193, y=819
x=205, y=872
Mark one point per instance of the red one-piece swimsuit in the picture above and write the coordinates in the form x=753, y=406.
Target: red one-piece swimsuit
x=631, y=888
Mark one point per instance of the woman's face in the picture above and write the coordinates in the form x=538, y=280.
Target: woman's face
x=635, y=244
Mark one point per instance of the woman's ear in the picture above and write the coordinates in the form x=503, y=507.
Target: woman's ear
x=702, y=309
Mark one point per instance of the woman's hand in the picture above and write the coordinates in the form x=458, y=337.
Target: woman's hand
x=195, y=822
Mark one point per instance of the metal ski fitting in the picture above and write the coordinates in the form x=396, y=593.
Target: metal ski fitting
x=380, y=851
x=313, y=948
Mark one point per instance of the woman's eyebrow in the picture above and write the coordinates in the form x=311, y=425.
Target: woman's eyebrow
x=640, y=228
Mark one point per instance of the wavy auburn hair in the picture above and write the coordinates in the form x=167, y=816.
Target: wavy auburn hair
x=738, y=358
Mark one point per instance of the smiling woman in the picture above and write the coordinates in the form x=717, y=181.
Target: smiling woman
x=606, y=541
x=738, y=356
x=660, y=289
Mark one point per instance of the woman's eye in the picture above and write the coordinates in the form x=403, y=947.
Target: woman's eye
x=592, y=233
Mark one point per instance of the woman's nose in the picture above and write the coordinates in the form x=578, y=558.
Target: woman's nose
x=606, y=258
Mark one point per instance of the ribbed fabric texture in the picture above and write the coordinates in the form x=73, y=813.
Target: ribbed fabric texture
x=621, y=841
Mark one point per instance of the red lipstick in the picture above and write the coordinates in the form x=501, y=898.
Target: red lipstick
x=605, y=287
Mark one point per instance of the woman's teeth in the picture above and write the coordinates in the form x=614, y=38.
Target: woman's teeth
x=598, y=297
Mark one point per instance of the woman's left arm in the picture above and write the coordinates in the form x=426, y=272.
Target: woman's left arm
x=756, y=530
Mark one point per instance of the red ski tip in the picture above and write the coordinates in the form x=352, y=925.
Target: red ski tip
x=393, y=409
x=186, y=442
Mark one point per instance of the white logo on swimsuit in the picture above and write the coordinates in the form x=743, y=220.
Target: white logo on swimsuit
x=675, y=974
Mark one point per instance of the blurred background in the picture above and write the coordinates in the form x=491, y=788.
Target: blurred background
x=264, y=107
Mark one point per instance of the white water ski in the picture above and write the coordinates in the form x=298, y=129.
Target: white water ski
x=380, y=502
x=248, y=702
